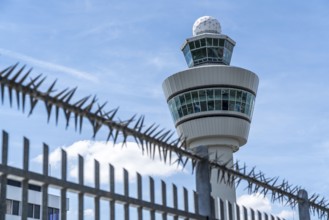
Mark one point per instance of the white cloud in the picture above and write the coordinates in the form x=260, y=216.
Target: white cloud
x=129, y=157
x=285, y=214
x=47, y=65
x=255, y=201
x=260, y=203
x=88, y=213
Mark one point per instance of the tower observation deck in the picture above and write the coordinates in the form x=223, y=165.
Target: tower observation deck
x=211, y=102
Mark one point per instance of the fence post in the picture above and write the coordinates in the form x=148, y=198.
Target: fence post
x=203, y=187
x=303, y=205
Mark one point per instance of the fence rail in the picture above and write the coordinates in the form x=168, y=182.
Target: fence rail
x=166, y=209
x=45, y=181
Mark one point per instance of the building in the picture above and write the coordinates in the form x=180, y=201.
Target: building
x=212, y=102
x=14, y=202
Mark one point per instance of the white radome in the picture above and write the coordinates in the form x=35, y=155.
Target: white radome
x=206, y=24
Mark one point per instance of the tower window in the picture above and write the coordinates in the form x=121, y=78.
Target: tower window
x=203, y=42
x=212, y=99
x=209, y=42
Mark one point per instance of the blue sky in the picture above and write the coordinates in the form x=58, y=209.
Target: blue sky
x=123, y=50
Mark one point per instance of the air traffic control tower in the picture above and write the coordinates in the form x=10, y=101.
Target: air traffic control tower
x=212, y=102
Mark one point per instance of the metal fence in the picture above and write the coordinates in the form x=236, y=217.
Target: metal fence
x=165, y=209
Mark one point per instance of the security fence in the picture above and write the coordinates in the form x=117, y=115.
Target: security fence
x=16, y=84
x=148, y=208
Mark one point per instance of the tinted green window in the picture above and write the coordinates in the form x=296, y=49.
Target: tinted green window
x=177, y=102
x=199, y=53
x=202, y=95
x=188, y=98
x=244, y=97
x=221, y=42
x=197, y=107
x=210, y=94
x=218, y=94
x=225, y=105
x=227, y=56
x=212, y=52
x=190, y=109
x=239, y=96
x=237, y=107
x=203, y=106
x=243, y=108
x=197, y=44
x=248, y=97
x=180, y=112
x=218, y=105
x=228, y=45
x=191, y=44
x=220, y=52
x=186, y=49
x=215, y=42
x=232, y=94
x=209, y=41
x=247, y=111
x=225, y=94
x=211, y=105
x=231, y=106
x=203, y=42
x=184, y=108
x=211, y=99
x=195, y=96
x=182, y=100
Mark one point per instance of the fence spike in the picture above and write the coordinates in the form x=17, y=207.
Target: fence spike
x=67, y=114
x=151, y=131
x=35, y=87
x=70, y=95
x=2, y=87
x=56, y=114
x=137, y=122
x=116, y=136
x=18, y=73
x=158, y=133
x=81, y=102
x=18, y=99
x=10, y=92
x=33, y=103
x=113, y=113
x=67, y=95
x=23, y=101
x=33, y=80
x=9, y=71
x=51, y=87
x=100, y=107
x=4, y=71
x=21, y=81
x=48, y=108
x=110, y=133
x=80, y=124
x=91, y=104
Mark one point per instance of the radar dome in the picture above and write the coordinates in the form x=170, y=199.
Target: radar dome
x=206, y=24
